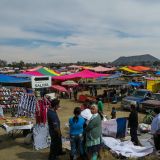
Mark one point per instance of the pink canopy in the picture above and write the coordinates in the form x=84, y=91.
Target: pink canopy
x=102, y=69
x=33, y=73
x=59, y=88
x=82, y=74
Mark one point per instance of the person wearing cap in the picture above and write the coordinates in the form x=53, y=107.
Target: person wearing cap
x=133, y=123
x=54, y=131
x=93, y=134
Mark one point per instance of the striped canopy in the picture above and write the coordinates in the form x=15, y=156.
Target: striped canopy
x=43, y=71
x=48, y=72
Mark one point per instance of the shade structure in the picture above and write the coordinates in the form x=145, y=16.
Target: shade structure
x=75, y=66
x=102, y=69
x=116, y=82
x=42, y=71
x=86, y=67
x=33, y=73
x=59, y=88
x=158, y=73
x=21, y=75
x=69, y=83
x=48, y=72
x=128, y=70
x=116, y=75
x=82, y=74
x=135, y=84
x=139, y=68
x=34, y=69
x=11, y=79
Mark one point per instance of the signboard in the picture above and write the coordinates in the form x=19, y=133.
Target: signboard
x=41, y=82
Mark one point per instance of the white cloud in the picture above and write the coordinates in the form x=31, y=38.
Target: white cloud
x=103, y=30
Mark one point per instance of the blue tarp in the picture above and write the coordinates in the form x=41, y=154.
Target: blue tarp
x=10, y=79
x=158, y=73
x=22, y=75
x=116, y=75
x=136, y=84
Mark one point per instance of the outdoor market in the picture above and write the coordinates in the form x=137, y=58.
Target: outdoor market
x=127, y=100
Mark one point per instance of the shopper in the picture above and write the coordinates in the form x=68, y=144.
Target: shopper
x=100, y=107
x=54, y=130
x=93, y=134
x=76, y=125
x=133, y=123
x=113, y=113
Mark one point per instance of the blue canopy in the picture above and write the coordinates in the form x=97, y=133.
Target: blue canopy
x=136, y=84
x=22, y=75
x=116, y=75
x=10, y=79
x=158, y=73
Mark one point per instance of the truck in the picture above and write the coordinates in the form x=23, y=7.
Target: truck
x=151, y=104
x=136, y=99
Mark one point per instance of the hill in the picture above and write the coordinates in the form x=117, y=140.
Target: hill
x=146, y=59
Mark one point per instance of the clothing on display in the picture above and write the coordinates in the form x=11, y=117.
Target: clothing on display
x=27, y=105
x=42, y=106
x=116, y=128
x=41, y=136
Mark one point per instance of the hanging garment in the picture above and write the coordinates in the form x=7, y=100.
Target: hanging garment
x=27, y=105
x=42, y=106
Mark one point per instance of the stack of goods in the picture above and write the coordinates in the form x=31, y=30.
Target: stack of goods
x=144, y=128
x=16, y=122
x=9, y=98
x=27, y=105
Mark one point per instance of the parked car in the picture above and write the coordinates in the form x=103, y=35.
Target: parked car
x=137, y=98
x=152, y=103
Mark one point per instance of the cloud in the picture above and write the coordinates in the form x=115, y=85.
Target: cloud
x=32, y=43
x=70, y=31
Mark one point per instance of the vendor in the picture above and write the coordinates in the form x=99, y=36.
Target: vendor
x=155, y=129
x=133, y=124
x=54, y=130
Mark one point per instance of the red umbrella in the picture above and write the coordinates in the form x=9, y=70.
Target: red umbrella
x=59, y=88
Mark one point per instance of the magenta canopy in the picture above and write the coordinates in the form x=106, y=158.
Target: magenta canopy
x=33, y=73
x=82, y=74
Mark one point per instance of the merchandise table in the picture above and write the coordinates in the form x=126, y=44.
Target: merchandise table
x=12, y=130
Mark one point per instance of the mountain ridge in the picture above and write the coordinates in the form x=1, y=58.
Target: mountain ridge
x=135, y=60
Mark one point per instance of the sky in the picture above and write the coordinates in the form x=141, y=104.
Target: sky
x=78, y=30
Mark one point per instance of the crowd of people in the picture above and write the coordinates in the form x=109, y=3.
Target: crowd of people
x=85, y=135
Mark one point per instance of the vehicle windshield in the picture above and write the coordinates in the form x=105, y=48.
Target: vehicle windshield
x=156, y=96
x=139, y=94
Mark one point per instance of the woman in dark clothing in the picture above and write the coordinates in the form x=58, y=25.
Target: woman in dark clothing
x=54, y=131
x=133, y=123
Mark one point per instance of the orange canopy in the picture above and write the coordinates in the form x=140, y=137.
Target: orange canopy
x=139, y=68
